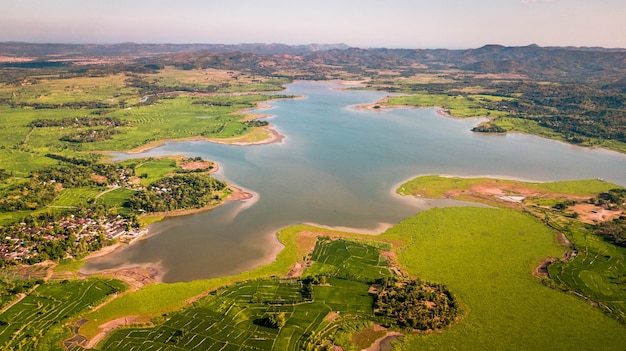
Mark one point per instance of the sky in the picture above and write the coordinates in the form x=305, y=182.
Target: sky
x=454, y=24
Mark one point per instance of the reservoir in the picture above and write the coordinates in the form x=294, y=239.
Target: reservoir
x=338, y=166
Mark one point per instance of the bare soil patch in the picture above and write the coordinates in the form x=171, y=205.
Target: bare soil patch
x=331, y=316
x=192, y=166
x=98, y=178
x=590, y=213
x=137, y=277
x=542, y=270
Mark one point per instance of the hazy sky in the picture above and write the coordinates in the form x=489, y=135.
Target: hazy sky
x=362, y=23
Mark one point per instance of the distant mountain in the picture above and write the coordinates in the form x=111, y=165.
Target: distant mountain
x=557, y=64
x=538, y=63
x=19, y=49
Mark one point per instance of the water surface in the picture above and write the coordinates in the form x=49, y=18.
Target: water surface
x=338, y=166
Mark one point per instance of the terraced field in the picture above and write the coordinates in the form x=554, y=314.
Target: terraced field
x=231, y=317
x=597, y=272
x=38, y=320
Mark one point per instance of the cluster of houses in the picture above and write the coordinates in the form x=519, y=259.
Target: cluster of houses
x=20, y=242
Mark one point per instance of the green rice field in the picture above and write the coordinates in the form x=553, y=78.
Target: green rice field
x=229, y=318
x=37, y=322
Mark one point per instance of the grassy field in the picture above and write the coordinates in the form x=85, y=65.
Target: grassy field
x=212, y=79
x=77, y=196
x=458, y=106
x=486, y=257
x=434, y=186
x=54, y=90
x=597, y=269
x=37, y=321
x=22, y=148
x=146, y=122
x=155, y=169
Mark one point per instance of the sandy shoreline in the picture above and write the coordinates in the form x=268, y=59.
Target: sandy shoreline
x=379, y=229
x=274, y=137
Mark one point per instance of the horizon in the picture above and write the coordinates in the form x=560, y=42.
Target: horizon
x=451, y=24
x=311, y=44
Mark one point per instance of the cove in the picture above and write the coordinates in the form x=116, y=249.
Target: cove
x=337, y=166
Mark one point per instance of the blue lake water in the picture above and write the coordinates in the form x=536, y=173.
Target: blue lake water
x=338, y=166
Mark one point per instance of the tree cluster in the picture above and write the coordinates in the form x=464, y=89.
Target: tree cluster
x=273, y=320
x=79, y=176
x=79, y=122
x=614, y=230
x=90, y=136
x=182, y=191
x=28, y=196
x=416, y=304
x=488, y=128
x=257, y=123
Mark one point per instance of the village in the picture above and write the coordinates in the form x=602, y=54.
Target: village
x=72, y=235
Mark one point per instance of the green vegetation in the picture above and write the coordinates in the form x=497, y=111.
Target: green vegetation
x=486, y=257
x=349, y=260
x=151, y=170
x=182, y=191
x=575, y=113
x=435, y=186
x=416, y=304
x=155, y=300
x=456, y=105
x=595, y=267
x=294, y=314
x=74, y=210
x=37, y=322
x=596, y=272
x=10, y=288
x=56, y=122
x=57, y=118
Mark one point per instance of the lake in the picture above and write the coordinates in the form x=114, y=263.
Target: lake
x=338, y=166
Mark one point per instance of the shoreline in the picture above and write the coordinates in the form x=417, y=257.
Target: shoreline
x=157, y=272
x=236, y=195
x=379, y=229
x=274, y=137
x=444, y=112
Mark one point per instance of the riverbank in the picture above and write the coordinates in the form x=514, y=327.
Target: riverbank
x=381, y=105
x=140, y=275
x=272, y=137
x=236, y=195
